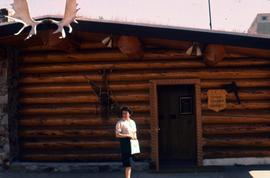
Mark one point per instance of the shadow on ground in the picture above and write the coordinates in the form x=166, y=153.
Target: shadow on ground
x=207, y=172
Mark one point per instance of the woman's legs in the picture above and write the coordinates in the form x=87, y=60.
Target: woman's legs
x=127, y=160
x=127, y=172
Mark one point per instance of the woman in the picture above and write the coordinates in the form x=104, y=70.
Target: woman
x=125, y=130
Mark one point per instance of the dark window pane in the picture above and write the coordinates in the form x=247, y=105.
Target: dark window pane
x=186, y=105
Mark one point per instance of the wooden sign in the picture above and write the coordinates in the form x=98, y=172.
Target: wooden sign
x=216, y=99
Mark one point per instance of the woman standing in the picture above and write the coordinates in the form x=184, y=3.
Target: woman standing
x=125, y=130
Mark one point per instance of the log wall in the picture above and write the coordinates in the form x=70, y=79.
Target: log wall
x=58, y=119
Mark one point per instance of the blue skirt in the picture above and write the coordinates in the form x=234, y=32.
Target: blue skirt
x=126, y=156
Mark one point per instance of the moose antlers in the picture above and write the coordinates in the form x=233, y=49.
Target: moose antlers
x=69, y=17
x=22, y=15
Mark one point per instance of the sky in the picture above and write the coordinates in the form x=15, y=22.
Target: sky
x=227, y=15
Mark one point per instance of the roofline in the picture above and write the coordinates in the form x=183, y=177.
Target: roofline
x=155, y=31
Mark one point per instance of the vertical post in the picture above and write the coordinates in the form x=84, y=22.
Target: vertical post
x=210, y=16
x=154, y=125
x=13, y=76
x=9, y=147
x=4, y=123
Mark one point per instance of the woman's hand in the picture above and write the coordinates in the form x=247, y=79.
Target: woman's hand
x=129, y=135
x=133, y=136
x=120, y=135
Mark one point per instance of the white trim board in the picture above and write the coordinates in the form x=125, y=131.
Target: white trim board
x=236, y=161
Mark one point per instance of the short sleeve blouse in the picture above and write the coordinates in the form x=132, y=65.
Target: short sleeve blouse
x=125, y=126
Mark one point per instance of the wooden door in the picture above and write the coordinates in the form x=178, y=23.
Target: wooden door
x=177, y=135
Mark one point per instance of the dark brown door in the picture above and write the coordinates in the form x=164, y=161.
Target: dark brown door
x=177, y=135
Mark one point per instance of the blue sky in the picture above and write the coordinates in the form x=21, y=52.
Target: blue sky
x=229, y=15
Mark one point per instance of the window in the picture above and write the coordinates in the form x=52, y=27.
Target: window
x=264, y=18
x=186, y=105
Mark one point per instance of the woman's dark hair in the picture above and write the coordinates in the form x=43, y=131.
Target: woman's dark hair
x=125, y=108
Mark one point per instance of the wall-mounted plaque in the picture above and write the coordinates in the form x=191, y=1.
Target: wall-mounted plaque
x=216, y=99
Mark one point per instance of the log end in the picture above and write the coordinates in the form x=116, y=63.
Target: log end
x=130, y=46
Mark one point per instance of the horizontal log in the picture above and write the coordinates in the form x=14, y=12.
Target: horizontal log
x=43, y=48
x=242, y=83
x=43, y=57
x=106, y=55
x=8, y=40
x=235, y=129
x=84, y=87
x=249, y=105
x=90, y=36
x=234, y=119
x=84, y=67
x=236, y=153
x=76, y=121
x=58, y=100
x=175, y=44
x=81, y=99
x=237, y=62
x=82, y=133
x=231, y=51
x=238, y=113
x=59, y=110
x=74, y=110
x=81, y=87
x=208, y=74
x=69, y=145
x=253, y=52
x=77, y=157
x=92, y=45
x=52, y=44
x=180, y=63
x=234, y=142
x=91, y=98
x=100, y=46
x=254, y=94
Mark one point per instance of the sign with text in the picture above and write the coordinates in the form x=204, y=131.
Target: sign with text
x=216, y=99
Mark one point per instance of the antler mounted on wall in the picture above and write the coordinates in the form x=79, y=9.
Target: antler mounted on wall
x=22, y=15
x=69, y=17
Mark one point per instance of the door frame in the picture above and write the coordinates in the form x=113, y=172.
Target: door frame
x=154, y=116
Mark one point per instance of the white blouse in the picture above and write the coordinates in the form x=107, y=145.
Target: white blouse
x=125, y=126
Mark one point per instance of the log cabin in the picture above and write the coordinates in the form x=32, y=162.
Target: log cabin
x=200, y=97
